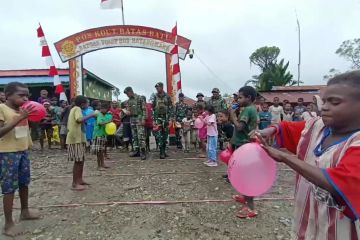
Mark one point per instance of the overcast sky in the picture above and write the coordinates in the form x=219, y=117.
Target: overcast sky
x=223, y=33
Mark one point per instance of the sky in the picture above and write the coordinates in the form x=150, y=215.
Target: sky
x=223, y=33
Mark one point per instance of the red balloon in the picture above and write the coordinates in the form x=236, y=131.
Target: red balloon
x=38, y=113
x=226, y=155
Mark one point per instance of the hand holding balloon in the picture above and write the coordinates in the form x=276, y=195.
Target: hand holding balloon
x=276, y=154
x=34, y=111
x=26, y=112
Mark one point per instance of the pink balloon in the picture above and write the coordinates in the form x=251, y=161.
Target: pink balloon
x=252, y=172
x=198, y=123
x=39, y=111
x=226, y=155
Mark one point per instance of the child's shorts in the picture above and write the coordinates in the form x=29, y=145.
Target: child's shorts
x=99, y=145
x=14, y=171
x=76, y=152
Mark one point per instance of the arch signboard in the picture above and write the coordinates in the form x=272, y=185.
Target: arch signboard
x=73, y=47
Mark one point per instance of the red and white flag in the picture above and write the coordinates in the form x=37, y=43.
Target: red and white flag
x=175, y=66
x=53, y=72
x=111, y=4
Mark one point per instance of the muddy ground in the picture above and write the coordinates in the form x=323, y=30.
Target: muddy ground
x=183, y=177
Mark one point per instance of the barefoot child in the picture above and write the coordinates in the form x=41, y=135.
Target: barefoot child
x=245, y=123
x=327, y=190
x=186, y=126
x=76, y=141
x=202, y=134
x=14, y=159
x=99, y=136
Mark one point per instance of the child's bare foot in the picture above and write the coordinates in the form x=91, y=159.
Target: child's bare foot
x=105, y=166
x=101, y=169
x=78, y=187
x=29, y=214
x=84, y=183
x=13, y=230
x=202, y=156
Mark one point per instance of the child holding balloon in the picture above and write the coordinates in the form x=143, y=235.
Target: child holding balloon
x=245, y=124
x=15, y=142
x=76, y=141
x=327, y=190
x=100, y=136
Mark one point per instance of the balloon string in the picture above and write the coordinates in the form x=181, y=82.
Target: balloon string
x=158, y=202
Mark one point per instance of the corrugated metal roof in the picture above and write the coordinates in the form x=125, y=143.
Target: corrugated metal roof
x=30, y=72
x=298, y=88
x=290, y=96
x=32, y=80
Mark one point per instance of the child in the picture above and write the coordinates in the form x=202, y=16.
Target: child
x=149, y=124
x=64, y=121
x=276, y=111
x=194, y=132
x=126, y=127
x=46, y=125
x=186, y=126
x=76, y=141
x=327, y=162
x=309, y=113
x=14, y=159
x=2, y=97
x=202, y=134
x=288, y=113
x=265, y=117
x=99, y=136
x=212, y=136
x=298, y=110
x=89, y=125
x=228, y=129
x=245, y=123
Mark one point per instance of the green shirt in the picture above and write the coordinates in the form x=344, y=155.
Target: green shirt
x=99, y=129
x=248, y=116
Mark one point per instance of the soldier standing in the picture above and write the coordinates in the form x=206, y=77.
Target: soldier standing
x=219, y=104
x=137, y=112
x=181, y=109
x=162, y=113
x=200, y=101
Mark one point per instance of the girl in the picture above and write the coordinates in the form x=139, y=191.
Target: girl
x=327, y=149
x=202, y=134
x=212, y=137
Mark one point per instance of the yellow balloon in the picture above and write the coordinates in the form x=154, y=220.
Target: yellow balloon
x=110, y=128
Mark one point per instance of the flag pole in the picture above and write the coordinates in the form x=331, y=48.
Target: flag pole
x=122, y=10
x=299, y=42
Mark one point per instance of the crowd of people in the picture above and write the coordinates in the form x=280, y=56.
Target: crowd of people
x=324, y=135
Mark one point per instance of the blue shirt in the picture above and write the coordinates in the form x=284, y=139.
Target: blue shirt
x=265, y=120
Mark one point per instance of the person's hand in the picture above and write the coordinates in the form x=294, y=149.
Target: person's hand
x=276, y=154
x=26, y=112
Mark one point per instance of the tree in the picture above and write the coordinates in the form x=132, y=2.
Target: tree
x=116, y=93
x=264, y=57
x=272, y=72
x=332, y=73
x=350, y=50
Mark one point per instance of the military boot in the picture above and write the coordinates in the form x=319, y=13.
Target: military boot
x=162, y=153
x=143, y=154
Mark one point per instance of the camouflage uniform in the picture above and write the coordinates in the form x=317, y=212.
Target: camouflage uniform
x=162, y=113
x=137, y=109
x=181, y=109
x=219, y=105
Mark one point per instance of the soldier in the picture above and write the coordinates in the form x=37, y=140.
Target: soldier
x=162, y=113
x=181, y=109
x=200, y=101
x=137, y=112
x=219, y=105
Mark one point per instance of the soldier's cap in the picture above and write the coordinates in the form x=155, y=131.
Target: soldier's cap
x=235, y=94
x=181, y=95
x=199, y=95
x=159, y=84
x=128, y=89
x=215, y=90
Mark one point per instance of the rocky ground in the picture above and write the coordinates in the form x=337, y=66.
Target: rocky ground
x=108, y=209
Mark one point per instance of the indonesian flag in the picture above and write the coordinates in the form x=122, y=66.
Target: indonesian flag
x=111, y=4
x=176, y=74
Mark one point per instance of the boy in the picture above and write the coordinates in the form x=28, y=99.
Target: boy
x=76, y=141
x=14, y=160
x=186, y=126
x=228, y=129
x=327, y=162
x=63, y=122
x=245, y=123
x=99, y=136
x=298, y=110
x=43, y=96
x=309, y=113
x=46, y=125
x=288, y=113
x=276, y=111
x=265, y=117
x=2, y=97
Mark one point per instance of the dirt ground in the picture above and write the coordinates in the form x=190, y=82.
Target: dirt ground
x=182, y=177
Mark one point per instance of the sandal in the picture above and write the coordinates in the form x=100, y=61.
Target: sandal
x=239, y=198
x=247, y=213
